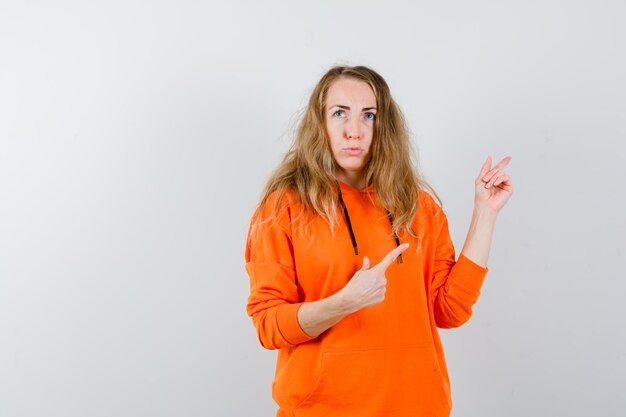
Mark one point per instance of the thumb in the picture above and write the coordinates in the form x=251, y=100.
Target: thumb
x=366, y=264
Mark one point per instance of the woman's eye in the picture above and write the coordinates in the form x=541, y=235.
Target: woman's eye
x=338, y=113
x=370, y=116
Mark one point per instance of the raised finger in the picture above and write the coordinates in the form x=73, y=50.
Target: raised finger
x=485, y=168
x=503, y=163
x=497, y=168
x=391, y=256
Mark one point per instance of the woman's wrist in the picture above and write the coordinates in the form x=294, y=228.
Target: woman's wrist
x=341, y=304
x=484, y=213
x=316, y=317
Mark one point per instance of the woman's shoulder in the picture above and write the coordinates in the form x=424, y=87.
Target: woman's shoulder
x=282, y=198
x=278, y=203
x=427, y=202
x=273, y=214
x=429, y=214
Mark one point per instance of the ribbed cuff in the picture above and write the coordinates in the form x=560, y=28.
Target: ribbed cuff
x=288, y=324
x=468, y=274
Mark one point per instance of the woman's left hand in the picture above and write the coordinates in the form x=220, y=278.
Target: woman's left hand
x=493, y=186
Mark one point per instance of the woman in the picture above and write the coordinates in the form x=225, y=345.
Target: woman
x=351, y=264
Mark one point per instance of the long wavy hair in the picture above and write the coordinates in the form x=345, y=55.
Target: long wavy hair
x=308, y=168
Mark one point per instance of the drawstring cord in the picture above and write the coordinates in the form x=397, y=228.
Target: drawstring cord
x=352, y=237
x=395, y=235
x=347, y=216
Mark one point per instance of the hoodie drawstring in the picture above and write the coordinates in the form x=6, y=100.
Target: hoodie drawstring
x=352, y=237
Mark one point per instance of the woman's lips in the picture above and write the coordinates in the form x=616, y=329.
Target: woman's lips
x=353, y=151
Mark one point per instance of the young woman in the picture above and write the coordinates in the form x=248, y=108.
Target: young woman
x=351, y=264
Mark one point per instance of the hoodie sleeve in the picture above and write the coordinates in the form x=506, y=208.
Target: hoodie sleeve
x=273, y=302
x=455, y=285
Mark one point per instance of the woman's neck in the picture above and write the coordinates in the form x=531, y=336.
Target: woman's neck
x=353, y=179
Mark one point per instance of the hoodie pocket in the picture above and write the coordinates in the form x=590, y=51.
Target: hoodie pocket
x=394, y=381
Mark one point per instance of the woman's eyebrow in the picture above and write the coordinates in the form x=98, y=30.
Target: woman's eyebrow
x=341, y=106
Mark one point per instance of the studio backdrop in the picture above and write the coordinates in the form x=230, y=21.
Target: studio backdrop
x=135, y=140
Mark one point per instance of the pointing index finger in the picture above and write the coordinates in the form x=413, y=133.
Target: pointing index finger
x=391, y=256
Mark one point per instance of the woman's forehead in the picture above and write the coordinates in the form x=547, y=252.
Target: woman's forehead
x=346, y=91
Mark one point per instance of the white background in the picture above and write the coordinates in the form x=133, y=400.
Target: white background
x=135, y=138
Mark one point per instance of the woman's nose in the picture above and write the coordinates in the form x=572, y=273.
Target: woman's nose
x=353, y=129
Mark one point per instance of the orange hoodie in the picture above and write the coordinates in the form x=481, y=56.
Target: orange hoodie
x=384, y=360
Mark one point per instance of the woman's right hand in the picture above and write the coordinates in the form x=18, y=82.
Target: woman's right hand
x=368, y=285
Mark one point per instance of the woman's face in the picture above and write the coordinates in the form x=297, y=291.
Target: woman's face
x=350, y=112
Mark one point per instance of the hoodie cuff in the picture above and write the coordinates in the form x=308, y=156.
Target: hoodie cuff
x=289, y=326
x=468, y=274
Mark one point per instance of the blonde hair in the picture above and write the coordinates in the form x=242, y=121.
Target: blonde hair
x=308, y=168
